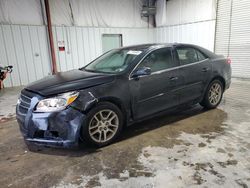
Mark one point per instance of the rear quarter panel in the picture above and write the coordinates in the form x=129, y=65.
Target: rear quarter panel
x=220, y=68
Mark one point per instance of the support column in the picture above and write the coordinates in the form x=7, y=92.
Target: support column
x=51, y=41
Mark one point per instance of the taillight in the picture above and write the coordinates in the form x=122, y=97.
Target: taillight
x=229, y=61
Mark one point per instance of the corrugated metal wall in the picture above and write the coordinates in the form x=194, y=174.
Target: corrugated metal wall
x=239, y=49
x=84, y=44
x=233, y=34
x=189, y=21
x=26, y=48
x=199, y=33
x=223, y=25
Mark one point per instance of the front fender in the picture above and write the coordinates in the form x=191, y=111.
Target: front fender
x=88, y=99
x=85, y=101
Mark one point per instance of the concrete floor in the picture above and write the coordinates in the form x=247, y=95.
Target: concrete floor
x=191, y=148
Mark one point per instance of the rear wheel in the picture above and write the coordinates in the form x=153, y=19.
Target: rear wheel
x=213, y=95
x=103, y=125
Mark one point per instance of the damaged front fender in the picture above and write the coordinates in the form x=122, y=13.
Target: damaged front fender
x=85, y=101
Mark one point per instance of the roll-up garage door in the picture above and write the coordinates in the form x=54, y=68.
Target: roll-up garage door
x=233, y=34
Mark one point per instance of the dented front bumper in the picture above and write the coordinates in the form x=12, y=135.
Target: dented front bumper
x=56, y=129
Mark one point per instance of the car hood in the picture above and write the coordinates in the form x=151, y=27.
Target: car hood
x=68, y=81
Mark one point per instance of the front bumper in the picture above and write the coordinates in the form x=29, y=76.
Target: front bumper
x=55, y=129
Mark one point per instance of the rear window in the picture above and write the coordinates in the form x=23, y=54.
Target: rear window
x=201, y=56
x=188, y=55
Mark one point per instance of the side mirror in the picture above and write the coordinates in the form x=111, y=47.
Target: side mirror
x=141, y=72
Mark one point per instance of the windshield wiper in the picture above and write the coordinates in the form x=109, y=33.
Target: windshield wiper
x=89, y=70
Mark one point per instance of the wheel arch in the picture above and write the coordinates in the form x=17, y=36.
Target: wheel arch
x=113, y=100
x=221, y=79
x=203, y=102
x=116, y=101
x=217, y=77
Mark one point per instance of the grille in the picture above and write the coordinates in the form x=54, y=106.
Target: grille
x=25, y=100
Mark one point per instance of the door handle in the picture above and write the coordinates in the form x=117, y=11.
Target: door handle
x=173, y=78
x=205, y=69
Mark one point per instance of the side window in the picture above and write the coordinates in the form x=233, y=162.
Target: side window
x=187, y=55
x=159, y=60
x=200, y=55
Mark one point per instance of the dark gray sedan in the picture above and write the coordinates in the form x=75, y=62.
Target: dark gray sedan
x=120, y=87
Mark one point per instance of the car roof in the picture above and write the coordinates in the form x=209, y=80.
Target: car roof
x=143, y=47
x=146, y=47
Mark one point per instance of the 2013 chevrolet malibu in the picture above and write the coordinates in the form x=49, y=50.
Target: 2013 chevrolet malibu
x=120, y=87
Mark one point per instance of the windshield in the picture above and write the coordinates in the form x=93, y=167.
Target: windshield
x=114, y=61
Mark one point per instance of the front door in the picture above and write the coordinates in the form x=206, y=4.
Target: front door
x=155, y=92
x=195, y=71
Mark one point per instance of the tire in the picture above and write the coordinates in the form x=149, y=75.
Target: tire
x=103, y=124
x=213, y=95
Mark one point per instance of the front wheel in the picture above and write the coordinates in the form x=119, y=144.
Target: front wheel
x=213, y=95
x=103, y=124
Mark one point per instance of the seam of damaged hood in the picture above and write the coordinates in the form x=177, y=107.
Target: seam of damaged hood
x=72, y=89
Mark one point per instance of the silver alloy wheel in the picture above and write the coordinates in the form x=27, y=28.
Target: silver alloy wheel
x=215, y=93
x=103, y=126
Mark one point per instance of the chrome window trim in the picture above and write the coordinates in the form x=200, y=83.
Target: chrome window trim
x=197, y=62
x=165, y=70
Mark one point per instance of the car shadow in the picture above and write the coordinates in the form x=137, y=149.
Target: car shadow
x=161, y=119
x=150, y=124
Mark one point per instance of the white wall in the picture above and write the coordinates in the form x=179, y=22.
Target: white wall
x=87, y=13
x=21, y=12
x=84, y=44
x=233, y=35
x=186, y=21
x=98, y=13
x=200, y=33
x=173, y=12
x=26, y=48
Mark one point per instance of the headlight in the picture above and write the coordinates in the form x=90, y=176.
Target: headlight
x=56, y=103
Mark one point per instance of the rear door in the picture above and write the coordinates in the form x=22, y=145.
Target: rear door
x=155, y=92
x=195, y=72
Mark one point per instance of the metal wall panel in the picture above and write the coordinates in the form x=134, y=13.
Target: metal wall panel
x=26, y=48
x=223, y=27
x=199, y=33
x=239, y=46
x=83, y=44
x=177, y=12
x=233, y=34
